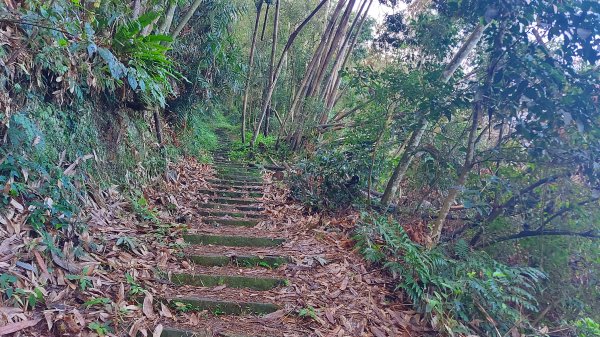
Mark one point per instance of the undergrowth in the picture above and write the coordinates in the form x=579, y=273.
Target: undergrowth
x=461, y=291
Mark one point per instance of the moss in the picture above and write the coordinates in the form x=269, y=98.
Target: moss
x=204, y=280
x=232, y=241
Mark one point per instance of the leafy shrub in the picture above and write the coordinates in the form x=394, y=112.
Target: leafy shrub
x=587, y=327
x=453, y=288
x=327, y=181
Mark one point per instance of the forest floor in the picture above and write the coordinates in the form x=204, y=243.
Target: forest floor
x=219, y=250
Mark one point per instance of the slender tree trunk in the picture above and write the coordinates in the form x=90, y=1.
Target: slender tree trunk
x=249, y=76
x=165, y=27
x=262, y=34
x=393, y=184
x=186, y=18
x=314, y=63
x=450, y=69
x=463, y=52
x=331, y=100
x=462, y=175
x=289, y=43
x=272, y=63
x=334, y=48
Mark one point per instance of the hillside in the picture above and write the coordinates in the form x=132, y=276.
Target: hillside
x=299, y=168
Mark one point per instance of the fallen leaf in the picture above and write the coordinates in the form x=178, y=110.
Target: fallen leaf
x=147, y=306
x=14, y=327
x=377, y=332
x=276, y=315
x=157, y=331
x=164, y=311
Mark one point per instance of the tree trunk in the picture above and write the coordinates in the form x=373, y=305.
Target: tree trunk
x=249, y=77
x=463, y=52
x=289, y=43
x=462, y=176
x=450, y=69
x=393, y=184
x=272, y=63
x=314, y=63
x=334, y=48
x=262, y=35
x=186, y=18
x=165, y=27
x=331, y=100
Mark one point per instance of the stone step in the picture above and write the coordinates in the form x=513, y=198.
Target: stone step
x=231, y=222
x=231, y=213
x=221, y=307
x=235, y=183
x=237, y=188
x=248, y=261
x=231, y=194
x=182, y=332
x=232, y=241
x=246, y=208
x=234, y=201
x=240, y=178
x=235, y=282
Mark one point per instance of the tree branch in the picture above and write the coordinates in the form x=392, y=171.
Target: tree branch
x=592, y=234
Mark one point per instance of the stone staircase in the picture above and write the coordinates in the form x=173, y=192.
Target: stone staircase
x=233, y=273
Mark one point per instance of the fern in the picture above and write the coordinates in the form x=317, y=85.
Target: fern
x=453, y=291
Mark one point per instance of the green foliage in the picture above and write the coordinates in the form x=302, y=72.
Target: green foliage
x=328, y=181
x=308, y=312
x=134, y=287
x=142, y=210
x=198, y=132
x=587, y=327
x=452, y=288
x=84, y=281
x=264, y=150
x=101, y=329
x=96, y=301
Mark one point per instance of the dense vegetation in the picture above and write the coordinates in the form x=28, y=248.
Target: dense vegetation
x=465, y=132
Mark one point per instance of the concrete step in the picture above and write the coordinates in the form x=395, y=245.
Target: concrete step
x=248, y=261
x=235, y=282
x=246, y=208
x=231, y=194
x=234, y=201
x=232, y=241
x=240, y=178
x=237, y=188
x=230, y=213
x=235, y=183
x=221, y=307
x=183, y=332
x=231, y=221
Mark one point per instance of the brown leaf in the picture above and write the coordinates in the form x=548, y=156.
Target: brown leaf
x=344, y=284
x=164, y=311
x=329, y=314
x=276, y=315
x=14, y=327
x=147, y=306
x=377, y=332
x=157, y=331
x=221, y=287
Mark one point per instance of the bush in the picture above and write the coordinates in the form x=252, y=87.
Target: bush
x=461, y=291
x=328, y=181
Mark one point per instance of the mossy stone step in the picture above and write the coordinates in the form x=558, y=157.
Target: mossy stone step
x=231, y=194
x=239, y=177
x=236, y=282
x=232, y=222
x=240, y=261
x=232, y=213
x=237, y=188
x=245, y=208
x=234, y=201
x=231, y=241
x=223, y=307
x=235, y=183
x=173, y=332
